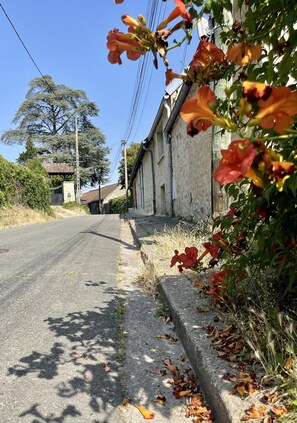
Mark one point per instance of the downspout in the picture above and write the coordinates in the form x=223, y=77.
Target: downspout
x=153, y=175
x=167, y=137
x=142, y=193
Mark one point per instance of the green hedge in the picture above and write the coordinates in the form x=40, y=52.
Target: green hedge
x=24, y=185
x=118, y=205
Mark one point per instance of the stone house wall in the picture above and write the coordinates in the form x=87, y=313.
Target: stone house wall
x=183, y=166
x=191, y=163
x=160, y=152
x=143, y=186
x=191, y=170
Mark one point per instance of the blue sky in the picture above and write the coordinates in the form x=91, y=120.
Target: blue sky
x=67, y=40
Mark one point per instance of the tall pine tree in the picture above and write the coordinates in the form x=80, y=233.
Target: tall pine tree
x=47, y=119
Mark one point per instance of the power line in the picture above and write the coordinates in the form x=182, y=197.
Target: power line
x=33, y=61
x=115, y=163
x=22, y=42
x=160, y=18
x=152, y=12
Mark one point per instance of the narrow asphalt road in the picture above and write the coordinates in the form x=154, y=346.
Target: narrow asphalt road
x=58, y=334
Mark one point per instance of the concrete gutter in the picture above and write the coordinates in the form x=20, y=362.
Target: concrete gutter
x=192, y=314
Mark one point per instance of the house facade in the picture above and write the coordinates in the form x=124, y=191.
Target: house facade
x=107, y=193
x=172, y=174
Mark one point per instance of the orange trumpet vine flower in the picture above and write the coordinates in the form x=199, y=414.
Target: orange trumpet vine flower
x=170, y=75
x=244, y=53
x=207, y=63
x=180, y=10
x=281, y=171
x=236, y=163
x=198, y=112
x=118, y=1
x=207, y=54
x=217, y=281
x=118, y=42
x=278, y=110
x=255, y=91
x=140, y=30
x=274, y=168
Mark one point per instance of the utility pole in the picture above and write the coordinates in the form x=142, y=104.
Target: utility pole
x=99, y=190
x=77, y=163
x=124, y=142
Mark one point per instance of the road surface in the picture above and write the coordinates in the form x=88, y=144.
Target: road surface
x=58, y=334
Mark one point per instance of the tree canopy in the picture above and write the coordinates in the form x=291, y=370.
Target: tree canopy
x=131, y=153
x=45, y=121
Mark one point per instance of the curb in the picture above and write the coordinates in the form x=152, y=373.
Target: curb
x=184, y=303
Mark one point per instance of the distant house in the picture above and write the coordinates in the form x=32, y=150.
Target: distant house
x=64, y=191
x=107, y=193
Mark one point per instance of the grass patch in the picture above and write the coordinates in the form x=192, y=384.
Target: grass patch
x=164, y=243
x=253, y=306
x=75, y=207
x=163, y=311
x=181, y=236
x=19, y=215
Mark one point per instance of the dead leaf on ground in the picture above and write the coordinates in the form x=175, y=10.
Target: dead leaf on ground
x=147, y=414
x=180, y=394
x=160, y=399
x=254, y=413
x=105, y=367
x=240, y=388
x=169, y=338
x=167, y=361
x=278, y=410
x=161, y=372
x=123, y=406
x=195, y=408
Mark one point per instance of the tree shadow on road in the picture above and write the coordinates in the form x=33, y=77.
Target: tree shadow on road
x=83, y=362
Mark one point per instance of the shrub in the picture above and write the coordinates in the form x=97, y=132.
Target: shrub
x=119, y=205
x=20, y=185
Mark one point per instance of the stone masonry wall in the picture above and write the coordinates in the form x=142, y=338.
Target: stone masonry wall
x=143, y=186
x=191, y=159
x=161, y=167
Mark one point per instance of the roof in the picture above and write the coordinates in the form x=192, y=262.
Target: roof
x=93, y=195
x=58, y=168
x=181, y=96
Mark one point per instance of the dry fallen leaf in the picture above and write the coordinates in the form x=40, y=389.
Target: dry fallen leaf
x=106, y=367
x=195, y=408
x=125, y=401
x=147, y=414
x=122, y=407
x=279, y=410
x=254, y=413
x=161, y=372
x=197, y=283
x=160, y=399
x=168, y=337
x=240, y=388
x=245, y=377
